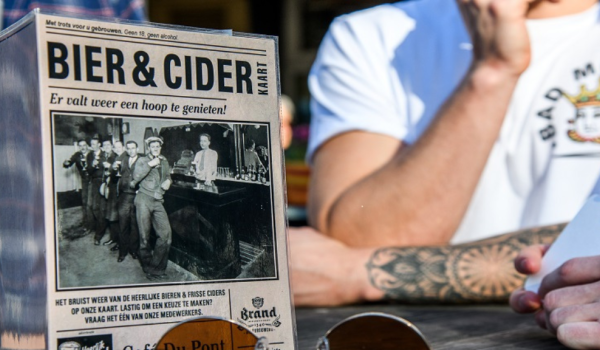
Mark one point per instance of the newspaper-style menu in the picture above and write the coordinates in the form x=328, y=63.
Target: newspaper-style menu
x=142, y=184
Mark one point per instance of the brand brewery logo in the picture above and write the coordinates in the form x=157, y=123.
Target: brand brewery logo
x=585, y=126
x=257, y=320
x=97, y=342
x=258, y=302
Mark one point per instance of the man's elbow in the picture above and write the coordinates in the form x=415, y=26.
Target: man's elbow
x=339, y=223
x=316, y=219
x=367, y=230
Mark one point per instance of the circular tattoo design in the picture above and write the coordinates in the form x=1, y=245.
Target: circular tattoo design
x=409, y=274
x=484, y=271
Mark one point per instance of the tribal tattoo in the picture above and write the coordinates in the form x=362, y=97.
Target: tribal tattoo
x=479, y=271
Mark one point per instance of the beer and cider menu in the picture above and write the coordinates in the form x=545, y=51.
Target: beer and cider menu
x=144, y=184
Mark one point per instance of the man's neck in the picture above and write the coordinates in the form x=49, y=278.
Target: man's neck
x=540, y=9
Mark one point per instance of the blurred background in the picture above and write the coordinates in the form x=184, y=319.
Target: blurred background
x=300, y=26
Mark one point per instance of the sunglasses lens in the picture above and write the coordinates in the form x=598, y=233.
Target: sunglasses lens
x=209, y=334
x=374, y=331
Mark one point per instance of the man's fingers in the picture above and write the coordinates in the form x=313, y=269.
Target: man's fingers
x=573, y=314
x=540, y=318
x=574, y=295
x=580, y=335
x=523, y=301
x=573, y=272
x=529, y=260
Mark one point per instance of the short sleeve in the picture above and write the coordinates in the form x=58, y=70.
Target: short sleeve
x=353, y=83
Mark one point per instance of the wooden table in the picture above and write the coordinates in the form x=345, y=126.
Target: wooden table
x=445, y=327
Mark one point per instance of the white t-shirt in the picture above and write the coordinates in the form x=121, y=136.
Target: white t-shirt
x=388, y=69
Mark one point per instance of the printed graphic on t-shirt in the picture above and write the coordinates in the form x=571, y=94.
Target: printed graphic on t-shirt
x=570, y=116
x=586, y=122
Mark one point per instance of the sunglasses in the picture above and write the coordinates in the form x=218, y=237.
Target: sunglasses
x=373, y=331
x=210, y=333
x=367, y=331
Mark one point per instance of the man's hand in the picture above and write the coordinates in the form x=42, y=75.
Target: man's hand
x=568, y=301
x=132, y=185
x=325, y=272
x=528, y=262
x=498, y=33
x=154, y=162
x=166, y=185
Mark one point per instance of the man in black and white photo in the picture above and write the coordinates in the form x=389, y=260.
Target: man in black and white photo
x=152, y=173
x=79, y=159
x=206, y=161
x=118, y=148
x=95, y=165
x=251, y=158
x=110, y=194
x=129, y=239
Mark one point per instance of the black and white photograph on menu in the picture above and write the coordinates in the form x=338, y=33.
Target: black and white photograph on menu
x=143, y=201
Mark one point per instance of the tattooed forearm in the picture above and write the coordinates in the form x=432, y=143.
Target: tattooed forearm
x=480, y=271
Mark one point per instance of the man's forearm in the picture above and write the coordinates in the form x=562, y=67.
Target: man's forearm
x=420, y=196
x=481, y=271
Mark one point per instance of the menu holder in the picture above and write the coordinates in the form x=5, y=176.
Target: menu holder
x=81, y=270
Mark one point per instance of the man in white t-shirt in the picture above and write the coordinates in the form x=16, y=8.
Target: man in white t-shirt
x=456, y=140
x=424, y=135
